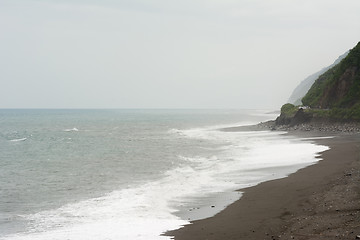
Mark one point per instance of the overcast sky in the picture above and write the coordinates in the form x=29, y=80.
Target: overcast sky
x=167, y=53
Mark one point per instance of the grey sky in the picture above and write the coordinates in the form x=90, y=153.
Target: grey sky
x=167, y=53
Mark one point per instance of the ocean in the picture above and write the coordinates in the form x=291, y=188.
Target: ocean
x=131, y=174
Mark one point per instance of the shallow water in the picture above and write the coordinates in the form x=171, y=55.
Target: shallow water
x=131, y=174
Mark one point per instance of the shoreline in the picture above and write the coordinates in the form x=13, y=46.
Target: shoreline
x=317, y=201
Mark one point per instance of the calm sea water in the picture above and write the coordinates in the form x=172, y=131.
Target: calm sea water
x=130, y=174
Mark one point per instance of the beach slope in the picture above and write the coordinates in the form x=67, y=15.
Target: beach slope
x=321, y=201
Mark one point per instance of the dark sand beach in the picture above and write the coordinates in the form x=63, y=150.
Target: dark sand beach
x=321, y=201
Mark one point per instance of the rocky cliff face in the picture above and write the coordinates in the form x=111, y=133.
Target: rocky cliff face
x=339, y=90
x=334, y=96
x=339, y=86
x=299, y=117
x=301, y=90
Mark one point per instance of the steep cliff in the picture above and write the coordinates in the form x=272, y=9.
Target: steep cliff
x=304, y=86
x=339, y=87
x=334, y=96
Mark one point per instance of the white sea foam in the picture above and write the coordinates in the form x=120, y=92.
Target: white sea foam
x=147, y=210
x=18, y=140
x=137, y=213
x=71, y=130
x=142, y=212
x=249, y=158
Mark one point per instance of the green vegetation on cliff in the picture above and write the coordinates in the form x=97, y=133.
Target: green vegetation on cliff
x=337, y=113
x=288, y=110
x=339, y=87
x=305, y=85
x=292, y=115
x=336, y=93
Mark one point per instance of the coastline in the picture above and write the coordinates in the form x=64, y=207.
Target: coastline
x=321, y=200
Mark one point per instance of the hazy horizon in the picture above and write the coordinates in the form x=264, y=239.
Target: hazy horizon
x=167, y=55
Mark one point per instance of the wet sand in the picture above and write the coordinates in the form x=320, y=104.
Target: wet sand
x=321, y=201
